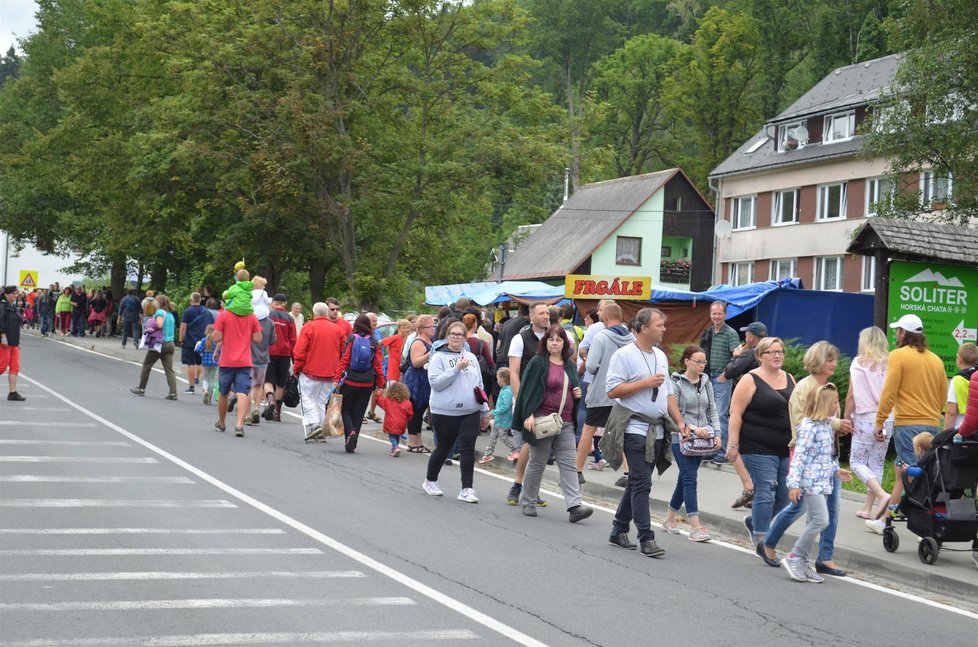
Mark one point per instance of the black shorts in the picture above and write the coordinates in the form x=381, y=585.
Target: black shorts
x=278, y=371
x=597, y=416
x=190, y=357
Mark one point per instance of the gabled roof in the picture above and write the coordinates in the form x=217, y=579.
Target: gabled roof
x=913, y=239
x=582, y=224
x=844, y=88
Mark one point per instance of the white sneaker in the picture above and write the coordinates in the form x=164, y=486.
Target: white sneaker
x=431, y=488
x=876, y=525
x=467, y=494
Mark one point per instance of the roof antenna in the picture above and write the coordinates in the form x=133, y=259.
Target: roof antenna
x=566, y=184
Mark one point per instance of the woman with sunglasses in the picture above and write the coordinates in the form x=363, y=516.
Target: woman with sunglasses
x=759, y=431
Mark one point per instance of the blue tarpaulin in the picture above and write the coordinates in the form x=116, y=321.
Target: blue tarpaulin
x=443, y=295
x=811, y=315
x=523, y=290
x=739, y=298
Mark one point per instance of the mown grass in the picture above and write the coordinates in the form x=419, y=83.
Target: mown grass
x=855, y=485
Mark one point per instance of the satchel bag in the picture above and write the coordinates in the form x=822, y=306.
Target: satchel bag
x=551, y=424
x=693, y=445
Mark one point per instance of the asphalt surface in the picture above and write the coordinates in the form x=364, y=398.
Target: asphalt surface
x=130, y=521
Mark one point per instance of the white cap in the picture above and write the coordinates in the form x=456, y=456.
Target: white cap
x=910, y=323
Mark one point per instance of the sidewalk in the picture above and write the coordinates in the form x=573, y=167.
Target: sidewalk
x=856, y=549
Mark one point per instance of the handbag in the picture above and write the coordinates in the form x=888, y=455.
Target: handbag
x=291, y=396
x=333, y=424
x=551, y=424
x=480, y=395
x=693, y=445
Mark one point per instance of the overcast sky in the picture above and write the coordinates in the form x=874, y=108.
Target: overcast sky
x=16, y=21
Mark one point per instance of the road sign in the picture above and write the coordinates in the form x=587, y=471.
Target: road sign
x=28, y=279
x=945, y=297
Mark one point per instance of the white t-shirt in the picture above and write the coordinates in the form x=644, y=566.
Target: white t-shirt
x=630, y=364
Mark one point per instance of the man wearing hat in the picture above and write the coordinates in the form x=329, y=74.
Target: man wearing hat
x=743, y=359
x=10, y=341
x=279, y=357
x=914, y=389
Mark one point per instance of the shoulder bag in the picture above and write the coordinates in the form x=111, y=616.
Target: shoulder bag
x=551, y=424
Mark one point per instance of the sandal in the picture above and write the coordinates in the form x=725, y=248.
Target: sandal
x=420, y=449
x=745, y=497
x=374, y=418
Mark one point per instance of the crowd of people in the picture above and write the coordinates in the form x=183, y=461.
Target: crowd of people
x=554, y=392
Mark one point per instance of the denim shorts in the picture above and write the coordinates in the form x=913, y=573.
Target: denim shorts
x=903, y=440
x=237, y=380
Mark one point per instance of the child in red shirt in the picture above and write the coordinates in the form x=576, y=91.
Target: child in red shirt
x=397, y=412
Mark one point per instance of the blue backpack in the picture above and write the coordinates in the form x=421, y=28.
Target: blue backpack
x=361, y=367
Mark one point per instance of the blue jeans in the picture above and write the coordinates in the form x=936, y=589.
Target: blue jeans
x=685, y=492
x=788, y=516
x=634, y=504
x=903, y=441
x=769, y=474
x=47, y=324
x=721, y=394
x=581, y=410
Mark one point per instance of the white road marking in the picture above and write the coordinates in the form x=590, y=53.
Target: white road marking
x=175, y=575
x=423, y=589
x=65, y=443
x=205, y=603
x=204, y=640
x=76, y=459
x=117, y=552
x=58, y=409
x=114, y=503
x=38, y=423
x=40, y=478
x=142, y=531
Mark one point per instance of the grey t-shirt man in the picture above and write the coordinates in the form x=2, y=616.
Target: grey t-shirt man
x=630, y=364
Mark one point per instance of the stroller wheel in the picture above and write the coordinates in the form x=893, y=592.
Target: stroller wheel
x=927, y=550
x=891, y=540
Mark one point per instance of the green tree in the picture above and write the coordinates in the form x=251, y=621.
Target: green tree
x=9, y=65
x=929, y=119
x=712, y=98
x=629, y=82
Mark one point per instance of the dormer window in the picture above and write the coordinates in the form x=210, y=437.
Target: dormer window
x=839, y=127
x=792, y=136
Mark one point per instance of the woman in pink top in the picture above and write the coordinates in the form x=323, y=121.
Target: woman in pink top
x=866, y=375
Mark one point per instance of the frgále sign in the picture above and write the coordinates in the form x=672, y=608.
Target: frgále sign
x=584, y=286
x=945, y=297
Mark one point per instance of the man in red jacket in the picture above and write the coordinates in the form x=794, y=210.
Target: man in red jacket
x=315, y=359
x=279, y=357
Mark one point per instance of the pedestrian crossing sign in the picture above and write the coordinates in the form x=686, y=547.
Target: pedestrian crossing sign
x=28, y=279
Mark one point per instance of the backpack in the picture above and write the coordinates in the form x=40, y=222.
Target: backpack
x=361, y=367
x=487, y=376
x=131, y=305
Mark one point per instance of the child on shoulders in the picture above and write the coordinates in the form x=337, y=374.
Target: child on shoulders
x=237, y=298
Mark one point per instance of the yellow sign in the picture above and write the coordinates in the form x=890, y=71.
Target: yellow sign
x=28, y=279
x=629, y=288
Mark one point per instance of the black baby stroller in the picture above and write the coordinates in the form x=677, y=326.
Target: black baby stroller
x=938, y=505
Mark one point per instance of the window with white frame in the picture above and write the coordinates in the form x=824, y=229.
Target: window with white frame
x=783, y=268
x=785, y=207
x=741, y=273
x=743, y=212
x=792, y=136
x=828, y=273
x=839, y=127
x=935, y=188
x=831, y=202
x=868, y=282
x=628, y=250
x=879, y=190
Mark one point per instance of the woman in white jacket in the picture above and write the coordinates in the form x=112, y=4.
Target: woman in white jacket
x=458, y=410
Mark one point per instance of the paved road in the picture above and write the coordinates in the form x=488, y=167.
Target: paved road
x=128, y=521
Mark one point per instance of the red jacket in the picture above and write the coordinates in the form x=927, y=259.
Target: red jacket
x=317, y=351
x=970, y=423
x=345, y=363
x=396, y=414
x=395, y=346
x=284, y=332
